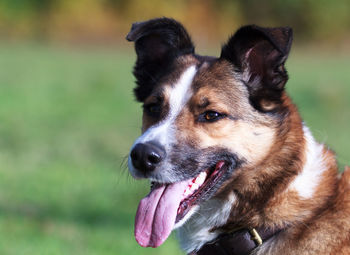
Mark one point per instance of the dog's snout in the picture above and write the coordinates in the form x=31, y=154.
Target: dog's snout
x=146, y=156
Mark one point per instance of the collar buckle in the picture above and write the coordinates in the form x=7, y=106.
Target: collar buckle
x=254, y=235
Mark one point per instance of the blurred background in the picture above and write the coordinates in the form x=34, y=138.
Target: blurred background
x=68, y=115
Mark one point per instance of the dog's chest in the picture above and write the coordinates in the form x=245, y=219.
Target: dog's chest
x=197, y=230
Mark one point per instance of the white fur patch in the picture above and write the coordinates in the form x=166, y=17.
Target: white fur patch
x=163, y=132
x=196, y=231
x=188, y=215
x=307, y=181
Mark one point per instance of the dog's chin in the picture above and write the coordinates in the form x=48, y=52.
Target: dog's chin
x=188, y=215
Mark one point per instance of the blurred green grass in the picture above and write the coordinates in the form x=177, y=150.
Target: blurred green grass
x=67, y=120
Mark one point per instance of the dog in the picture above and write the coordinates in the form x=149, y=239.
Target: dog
x=231, y=164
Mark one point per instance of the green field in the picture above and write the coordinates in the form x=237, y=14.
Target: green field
x=67, y=120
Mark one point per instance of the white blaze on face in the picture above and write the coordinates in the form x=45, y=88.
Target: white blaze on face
x=164, y=131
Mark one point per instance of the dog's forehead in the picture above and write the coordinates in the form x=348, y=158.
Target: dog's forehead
x=218, y=76
x=212, y=78
x=178, y=68
x=196, y=83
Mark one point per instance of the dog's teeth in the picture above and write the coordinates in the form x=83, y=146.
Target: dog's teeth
x=200, y=178
x=187, y=192
x=196, y=183
x=194, y=186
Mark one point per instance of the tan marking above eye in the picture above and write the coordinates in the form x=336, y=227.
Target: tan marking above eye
x=208, y=100
x=154, y=98
x=203, y=103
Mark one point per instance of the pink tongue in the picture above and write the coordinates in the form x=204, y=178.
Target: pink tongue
x=156, y=214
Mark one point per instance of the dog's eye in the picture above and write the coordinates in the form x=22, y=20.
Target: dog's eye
x=210, y=116
x=153, y=109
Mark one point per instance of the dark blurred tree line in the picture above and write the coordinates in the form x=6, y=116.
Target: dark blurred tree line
x=109, y=20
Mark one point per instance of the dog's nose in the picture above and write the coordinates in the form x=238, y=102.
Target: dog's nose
x=146, y=156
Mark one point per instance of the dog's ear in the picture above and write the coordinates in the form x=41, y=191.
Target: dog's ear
x=259, y=55
x=157, y=43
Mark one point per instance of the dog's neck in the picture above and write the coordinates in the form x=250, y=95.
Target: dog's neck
x=301, y=180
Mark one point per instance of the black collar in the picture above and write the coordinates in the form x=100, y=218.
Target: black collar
x=242, y=242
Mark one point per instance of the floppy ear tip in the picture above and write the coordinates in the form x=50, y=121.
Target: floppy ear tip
x=137, y=28
x=131, y=36
x=283, y=38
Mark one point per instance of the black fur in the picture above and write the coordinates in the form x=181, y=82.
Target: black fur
x=262, y=52
x=157, y=43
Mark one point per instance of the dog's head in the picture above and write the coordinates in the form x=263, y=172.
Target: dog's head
x=204, y=118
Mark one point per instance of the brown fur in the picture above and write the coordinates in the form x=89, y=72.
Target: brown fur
x=262, y=127
x=326, y=231
x=275, y=153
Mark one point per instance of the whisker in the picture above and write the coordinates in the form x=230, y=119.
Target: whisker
x=124, y=163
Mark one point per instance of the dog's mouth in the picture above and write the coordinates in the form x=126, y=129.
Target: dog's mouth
x=168, y=204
